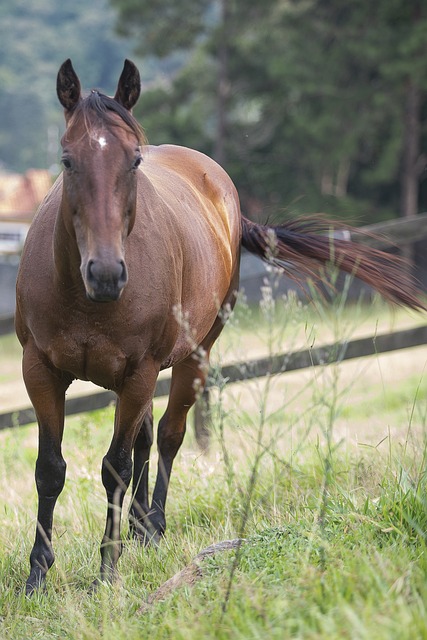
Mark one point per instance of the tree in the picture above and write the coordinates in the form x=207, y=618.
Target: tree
x=407, y=28
x=310, y=105
x=35, y=38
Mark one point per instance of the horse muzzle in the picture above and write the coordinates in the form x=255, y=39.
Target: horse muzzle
x=104, y=281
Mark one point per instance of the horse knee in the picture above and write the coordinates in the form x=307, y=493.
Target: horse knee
x=116, y=472
x=50, y=475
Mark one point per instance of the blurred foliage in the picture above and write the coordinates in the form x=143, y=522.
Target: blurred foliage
x=314, y=95
x=304, y=102
x=35, y=38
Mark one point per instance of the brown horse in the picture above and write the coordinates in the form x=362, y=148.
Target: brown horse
x=125, y=269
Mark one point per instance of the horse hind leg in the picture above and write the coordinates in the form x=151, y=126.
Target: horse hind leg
x=188, y=378
x=139, y=507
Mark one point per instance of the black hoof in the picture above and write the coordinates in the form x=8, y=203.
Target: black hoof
x=36, y=583
x=145, y=536
x=96, y=584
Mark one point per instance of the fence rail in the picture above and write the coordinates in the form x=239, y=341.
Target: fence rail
x=278, y=364
x=7, y=325
x=399, y=232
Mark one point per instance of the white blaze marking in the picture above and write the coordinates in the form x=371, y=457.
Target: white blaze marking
x=102, y=142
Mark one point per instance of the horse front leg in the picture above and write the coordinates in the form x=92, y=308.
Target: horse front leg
x=133, y=403
x=47, y=393
x=139, y=507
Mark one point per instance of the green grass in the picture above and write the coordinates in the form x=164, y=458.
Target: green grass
x=322, y=473
x=357, y=572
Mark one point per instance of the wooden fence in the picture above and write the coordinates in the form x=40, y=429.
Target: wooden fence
x=7, y=325
x=274, y=365
x=400, y=232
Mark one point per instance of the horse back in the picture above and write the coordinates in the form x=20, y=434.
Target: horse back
x=178, y=173
x=195, y=204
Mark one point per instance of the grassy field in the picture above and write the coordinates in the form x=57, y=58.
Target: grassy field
x=322, y=472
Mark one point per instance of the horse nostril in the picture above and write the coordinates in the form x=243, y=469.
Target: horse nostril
x=99, y=272
x=124, y=274
x=90, y=271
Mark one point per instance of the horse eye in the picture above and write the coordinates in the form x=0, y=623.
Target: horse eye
x=137, y=162
x=67, y=163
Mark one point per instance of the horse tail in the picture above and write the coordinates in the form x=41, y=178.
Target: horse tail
x=307, y=244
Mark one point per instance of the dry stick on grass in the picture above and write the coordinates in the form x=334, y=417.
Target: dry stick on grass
x=190, y=574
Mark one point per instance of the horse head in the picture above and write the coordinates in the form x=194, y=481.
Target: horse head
x=101, y=152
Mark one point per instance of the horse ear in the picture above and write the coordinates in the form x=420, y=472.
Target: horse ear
x=129, y=86
x=68, y=86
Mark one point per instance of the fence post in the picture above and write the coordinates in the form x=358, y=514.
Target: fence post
x=202, y=420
